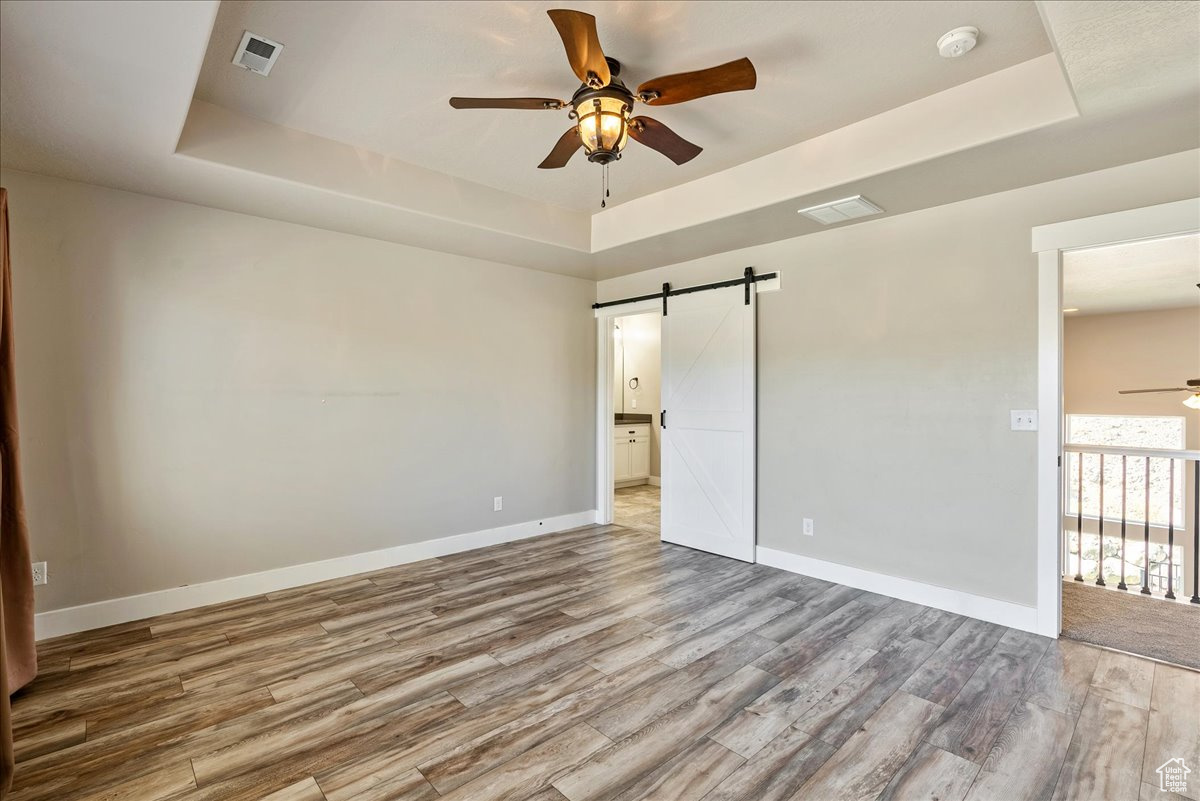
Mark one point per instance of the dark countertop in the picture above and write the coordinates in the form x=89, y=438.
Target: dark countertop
x=622, y=417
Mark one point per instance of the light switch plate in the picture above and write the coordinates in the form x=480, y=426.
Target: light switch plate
x=497, y=503
x=1024, y=419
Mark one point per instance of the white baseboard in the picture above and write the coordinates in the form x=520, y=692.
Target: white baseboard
x=136, y=607
x=1006, y=613
x=654, y=481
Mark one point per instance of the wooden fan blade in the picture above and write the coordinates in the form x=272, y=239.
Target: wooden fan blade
x=653, y=134
x=1168, y=389
x=578, y=32
x=566, y=146
x=732, y=77
x=531, y=103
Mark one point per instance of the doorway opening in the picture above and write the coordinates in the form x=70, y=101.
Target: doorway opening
x=1131, y=315
x=637, y=437
x=706, y=412
x=1051, y=243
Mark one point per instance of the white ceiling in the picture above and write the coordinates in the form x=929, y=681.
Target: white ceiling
x=1119, y=52
x=1135, y=276
x=378, y=76
x=90, y=108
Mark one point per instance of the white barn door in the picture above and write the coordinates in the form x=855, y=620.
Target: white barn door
x=708, y=391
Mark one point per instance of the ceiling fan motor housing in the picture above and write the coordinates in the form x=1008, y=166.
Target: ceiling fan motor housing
x=602, y=105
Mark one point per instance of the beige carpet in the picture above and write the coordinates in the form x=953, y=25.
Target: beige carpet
x=1152, y=627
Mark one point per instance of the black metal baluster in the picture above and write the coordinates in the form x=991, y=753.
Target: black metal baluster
x=1121, y=585
x=1079, y=524
x=1196, y=534
x=1100, y=523
x=1171, y=529
x=1146, y=534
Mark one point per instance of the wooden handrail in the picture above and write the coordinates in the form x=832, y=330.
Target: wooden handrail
x=1154, y=453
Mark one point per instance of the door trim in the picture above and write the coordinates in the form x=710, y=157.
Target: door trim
x=604, y=399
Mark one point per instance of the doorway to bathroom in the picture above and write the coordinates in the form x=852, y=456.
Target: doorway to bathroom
x=707, y=364
x=636, y=406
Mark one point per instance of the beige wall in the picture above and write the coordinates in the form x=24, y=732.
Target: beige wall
x=888, y=364
x=640, y=342
x=1104, y=353
x=205, y=394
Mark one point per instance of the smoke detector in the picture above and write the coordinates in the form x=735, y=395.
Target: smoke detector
x=257, y=53
x=958, y=42
x=836, y=211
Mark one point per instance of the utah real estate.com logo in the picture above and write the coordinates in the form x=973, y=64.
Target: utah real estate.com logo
x=1172, y=776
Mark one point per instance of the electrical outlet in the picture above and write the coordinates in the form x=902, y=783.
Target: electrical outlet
x=40, y=576
x=808, y=527
x=497, y=503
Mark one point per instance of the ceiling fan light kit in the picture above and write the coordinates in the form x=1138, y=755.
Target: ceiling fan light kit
x=602, y=106
x=603, y=117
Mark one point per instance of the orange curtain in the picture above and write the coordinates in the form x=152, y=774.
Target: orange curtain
x=18, y=655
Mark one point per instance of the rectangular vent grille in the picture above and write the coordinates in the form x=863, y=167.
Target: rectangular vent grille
x=837, y=211
x=257, y=53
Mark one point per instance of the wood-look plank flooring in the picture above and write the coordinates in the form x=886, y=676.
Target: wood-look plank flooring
x=638, y=507
x=591, y=665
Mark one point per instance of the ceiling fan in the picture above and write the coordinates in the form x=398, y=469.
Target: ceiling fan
x=602, y=105
x=1193, y=386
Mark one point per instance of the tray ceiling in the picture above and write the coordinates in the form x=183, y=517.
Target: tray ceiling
x=378, y=76
x=356, y=136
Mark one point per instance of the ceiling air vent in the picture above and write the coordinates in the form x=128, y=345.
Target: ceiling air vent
x=836, y=211
x=257, y=53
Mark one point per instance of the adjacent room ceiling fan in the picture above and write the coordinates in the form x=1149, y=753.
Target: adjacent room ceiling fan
x=602, y=105
x=1193, y=386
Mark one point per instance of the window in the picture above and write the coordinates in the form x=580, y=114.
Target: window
x=1126, y=431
